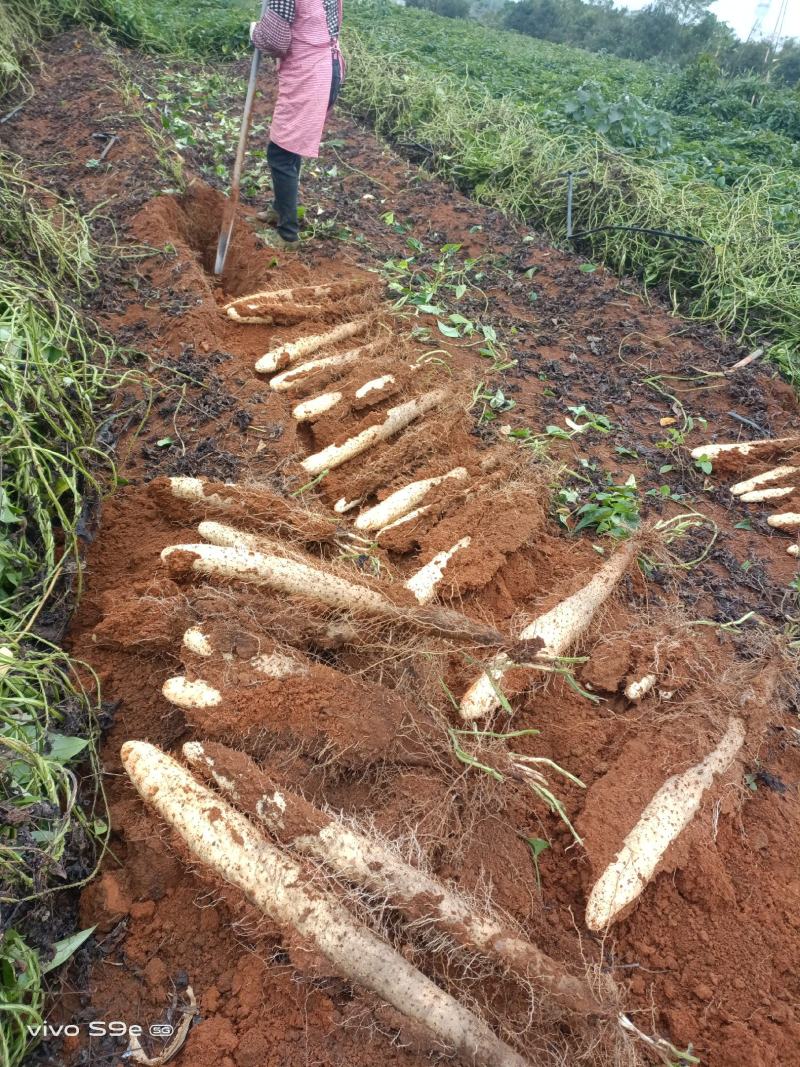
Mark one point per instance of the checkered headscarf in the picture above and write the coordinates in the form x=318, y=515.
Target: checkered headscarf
x=286, y=9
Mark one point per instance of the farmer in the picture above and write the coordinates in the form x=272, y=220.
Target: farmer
x=304, y=36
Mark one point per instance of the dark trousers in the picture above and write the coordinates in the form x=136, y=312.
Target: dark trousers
x=285, y=169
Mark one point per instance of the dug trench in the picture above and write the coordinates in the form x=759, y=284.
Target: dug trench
x=352, y=711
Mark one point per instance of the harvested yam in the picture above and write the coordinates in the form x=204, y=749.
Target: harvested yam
x=424, y=583
x=294, y=578
x=786, y=520
x=401, y=501
x=375, y=385
x=263, y=307
x=744, y=448
x=185, y=694
x=225, y=841
x=281, y=357
x=757, y=495
x=397, y=418
x=318, y=405
x=368, y=862
x=773, y=475
x=665, y=817
x=558, y=628
x=298, y=375
x=253, y=503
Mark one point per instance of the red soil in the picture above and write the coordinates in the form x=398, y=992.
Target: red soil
x=710, y=955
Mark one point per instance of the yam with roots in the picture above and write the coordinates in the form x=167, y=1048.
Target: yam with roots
x=302, y=301
x=370, y=863
x=303, y=372
x=663, y=820
x=294, y=578
x=776, y=474
x=278, y=358
x=397, y=418
x=558, y=629
x=251, y=502
x=402, y=501
x=226, y=842
x=745, y=448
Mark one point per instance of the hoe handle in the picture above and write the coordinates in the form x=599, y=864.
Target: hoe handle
x=229, y=215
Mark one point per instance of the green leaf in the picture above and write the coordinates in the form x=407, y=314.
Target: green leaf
x=448, y=331
x=588, y=268
x=63, y=749
x=745, y=524
x=65, y=948
x=164, y=442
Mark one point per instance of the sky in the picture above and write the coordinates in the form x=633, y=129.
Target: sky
x=740, y=14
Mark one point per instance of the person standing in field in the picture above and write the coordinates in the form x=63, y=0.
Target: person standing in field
x=304, y=37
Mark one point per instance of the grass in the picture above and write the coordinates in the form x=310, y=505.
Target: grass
x=55, y=400
x=745, y=278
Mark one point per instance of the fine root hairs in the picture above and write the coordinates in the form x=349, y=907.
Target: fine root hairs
x=397, y=418
x=669, y=812
x=226, y=842
x=298, y=375
x=281, y=357
x=291, y=576
x=368, y=862
x=402, y=501
x=558, y=628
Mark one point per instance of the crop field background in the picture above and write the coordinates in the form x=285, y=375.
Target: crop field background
x=683, y=186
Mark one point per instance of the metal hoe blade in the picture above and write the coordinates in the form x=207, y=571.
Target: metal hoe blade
x=229, y=215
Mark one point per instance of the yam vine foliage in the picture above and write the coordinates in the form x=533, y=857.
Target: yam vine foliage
x=55, y=390
x=506, y=131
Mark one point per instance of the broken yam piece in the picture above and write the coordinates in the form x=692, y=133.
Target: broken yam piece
x=229, y=844
x=311, y=409
x=425, y=582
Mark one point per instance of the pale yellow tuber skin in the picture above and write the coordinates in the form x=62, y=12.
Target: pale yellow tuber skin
x=288, y=379
x=787, y=520
x=773, y=475
x=226, y=842
x=755, y=496
x=402, y=501
x=374, y=385
x=662, y=821
x=559, y=628
x=311, y=409
x=742, y=448
x=397, y=418
x=185, y=694
x=284, y=575
x=292, y=351
x=367, y=862
x=641, y=687
x=426, y=581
